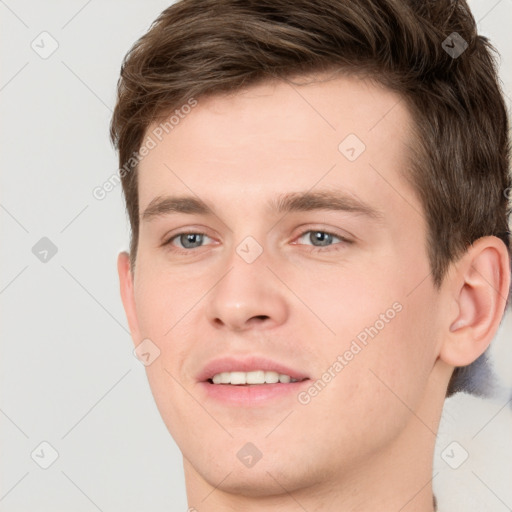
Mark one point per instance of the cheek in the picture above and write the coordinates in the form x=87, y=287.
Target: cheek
x=372, y=397
x=387, y=342
x=163, y=312
x=397, y=362
x=162, y=316
x=164, y=297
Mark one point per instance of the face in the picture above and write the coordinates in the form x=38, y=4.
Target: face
x=278, y=233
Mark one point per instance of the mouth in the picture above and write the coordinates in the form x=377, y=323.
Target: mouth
x=248, y=382
x=256, y=378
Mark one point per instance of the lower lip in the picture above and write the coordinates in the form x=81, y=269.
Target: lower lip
x=254, y=394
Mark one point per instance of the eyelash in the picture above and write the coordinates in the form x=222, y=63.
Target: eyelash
x=312, y=248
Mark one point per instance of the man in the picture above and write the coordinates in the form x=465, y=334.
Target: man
x=317, y=193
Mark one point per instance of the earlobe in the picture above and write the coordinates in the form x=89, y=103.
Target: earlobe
x=480, y=289
x=127, y=294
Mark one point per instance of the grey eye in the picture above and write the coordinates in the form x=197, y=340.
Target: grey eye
x=190, y=240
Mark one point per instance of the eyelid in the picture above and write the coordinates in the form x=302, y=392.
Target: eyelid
x=192, y=229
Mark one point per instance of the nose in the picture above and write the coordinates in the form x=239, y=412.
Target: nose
x=248, y=296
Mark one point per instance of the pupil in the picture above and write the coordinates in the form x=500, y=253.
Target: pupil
x=188, y=239
x=322, y=237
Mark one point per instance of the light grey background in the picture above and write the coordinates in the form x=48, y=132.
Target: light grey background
x=68, y=376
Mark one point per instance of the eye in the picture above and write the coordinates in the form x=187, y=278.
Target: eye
x=189, y=240
x=320, y=239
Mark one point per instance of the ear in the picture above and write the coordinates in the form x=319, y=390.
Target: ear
x=479, y=287
x=127, y=295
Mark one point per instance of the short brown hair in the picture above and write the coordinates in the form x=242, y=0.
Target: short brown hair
x=461, y=160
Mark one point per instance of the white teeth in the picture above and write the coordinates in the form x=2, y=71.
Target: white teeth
x=238, y=377
x=271, y=377
x=255, y=377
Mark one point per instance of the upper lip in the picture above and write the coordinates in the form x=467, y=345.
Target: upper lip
x=246, y=364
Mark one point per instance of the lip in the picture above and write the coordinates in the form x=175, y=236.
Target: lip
x=248, y=364
x=250, y=395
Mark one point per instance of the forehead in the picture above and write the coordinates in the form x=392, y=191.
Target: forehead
x=279, y=137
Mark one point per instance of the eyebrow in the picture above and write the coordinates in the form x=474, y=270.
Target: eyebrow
x=285, y=203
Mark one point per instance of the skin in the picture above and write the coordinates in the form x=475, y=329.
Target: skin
x=366, y=441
